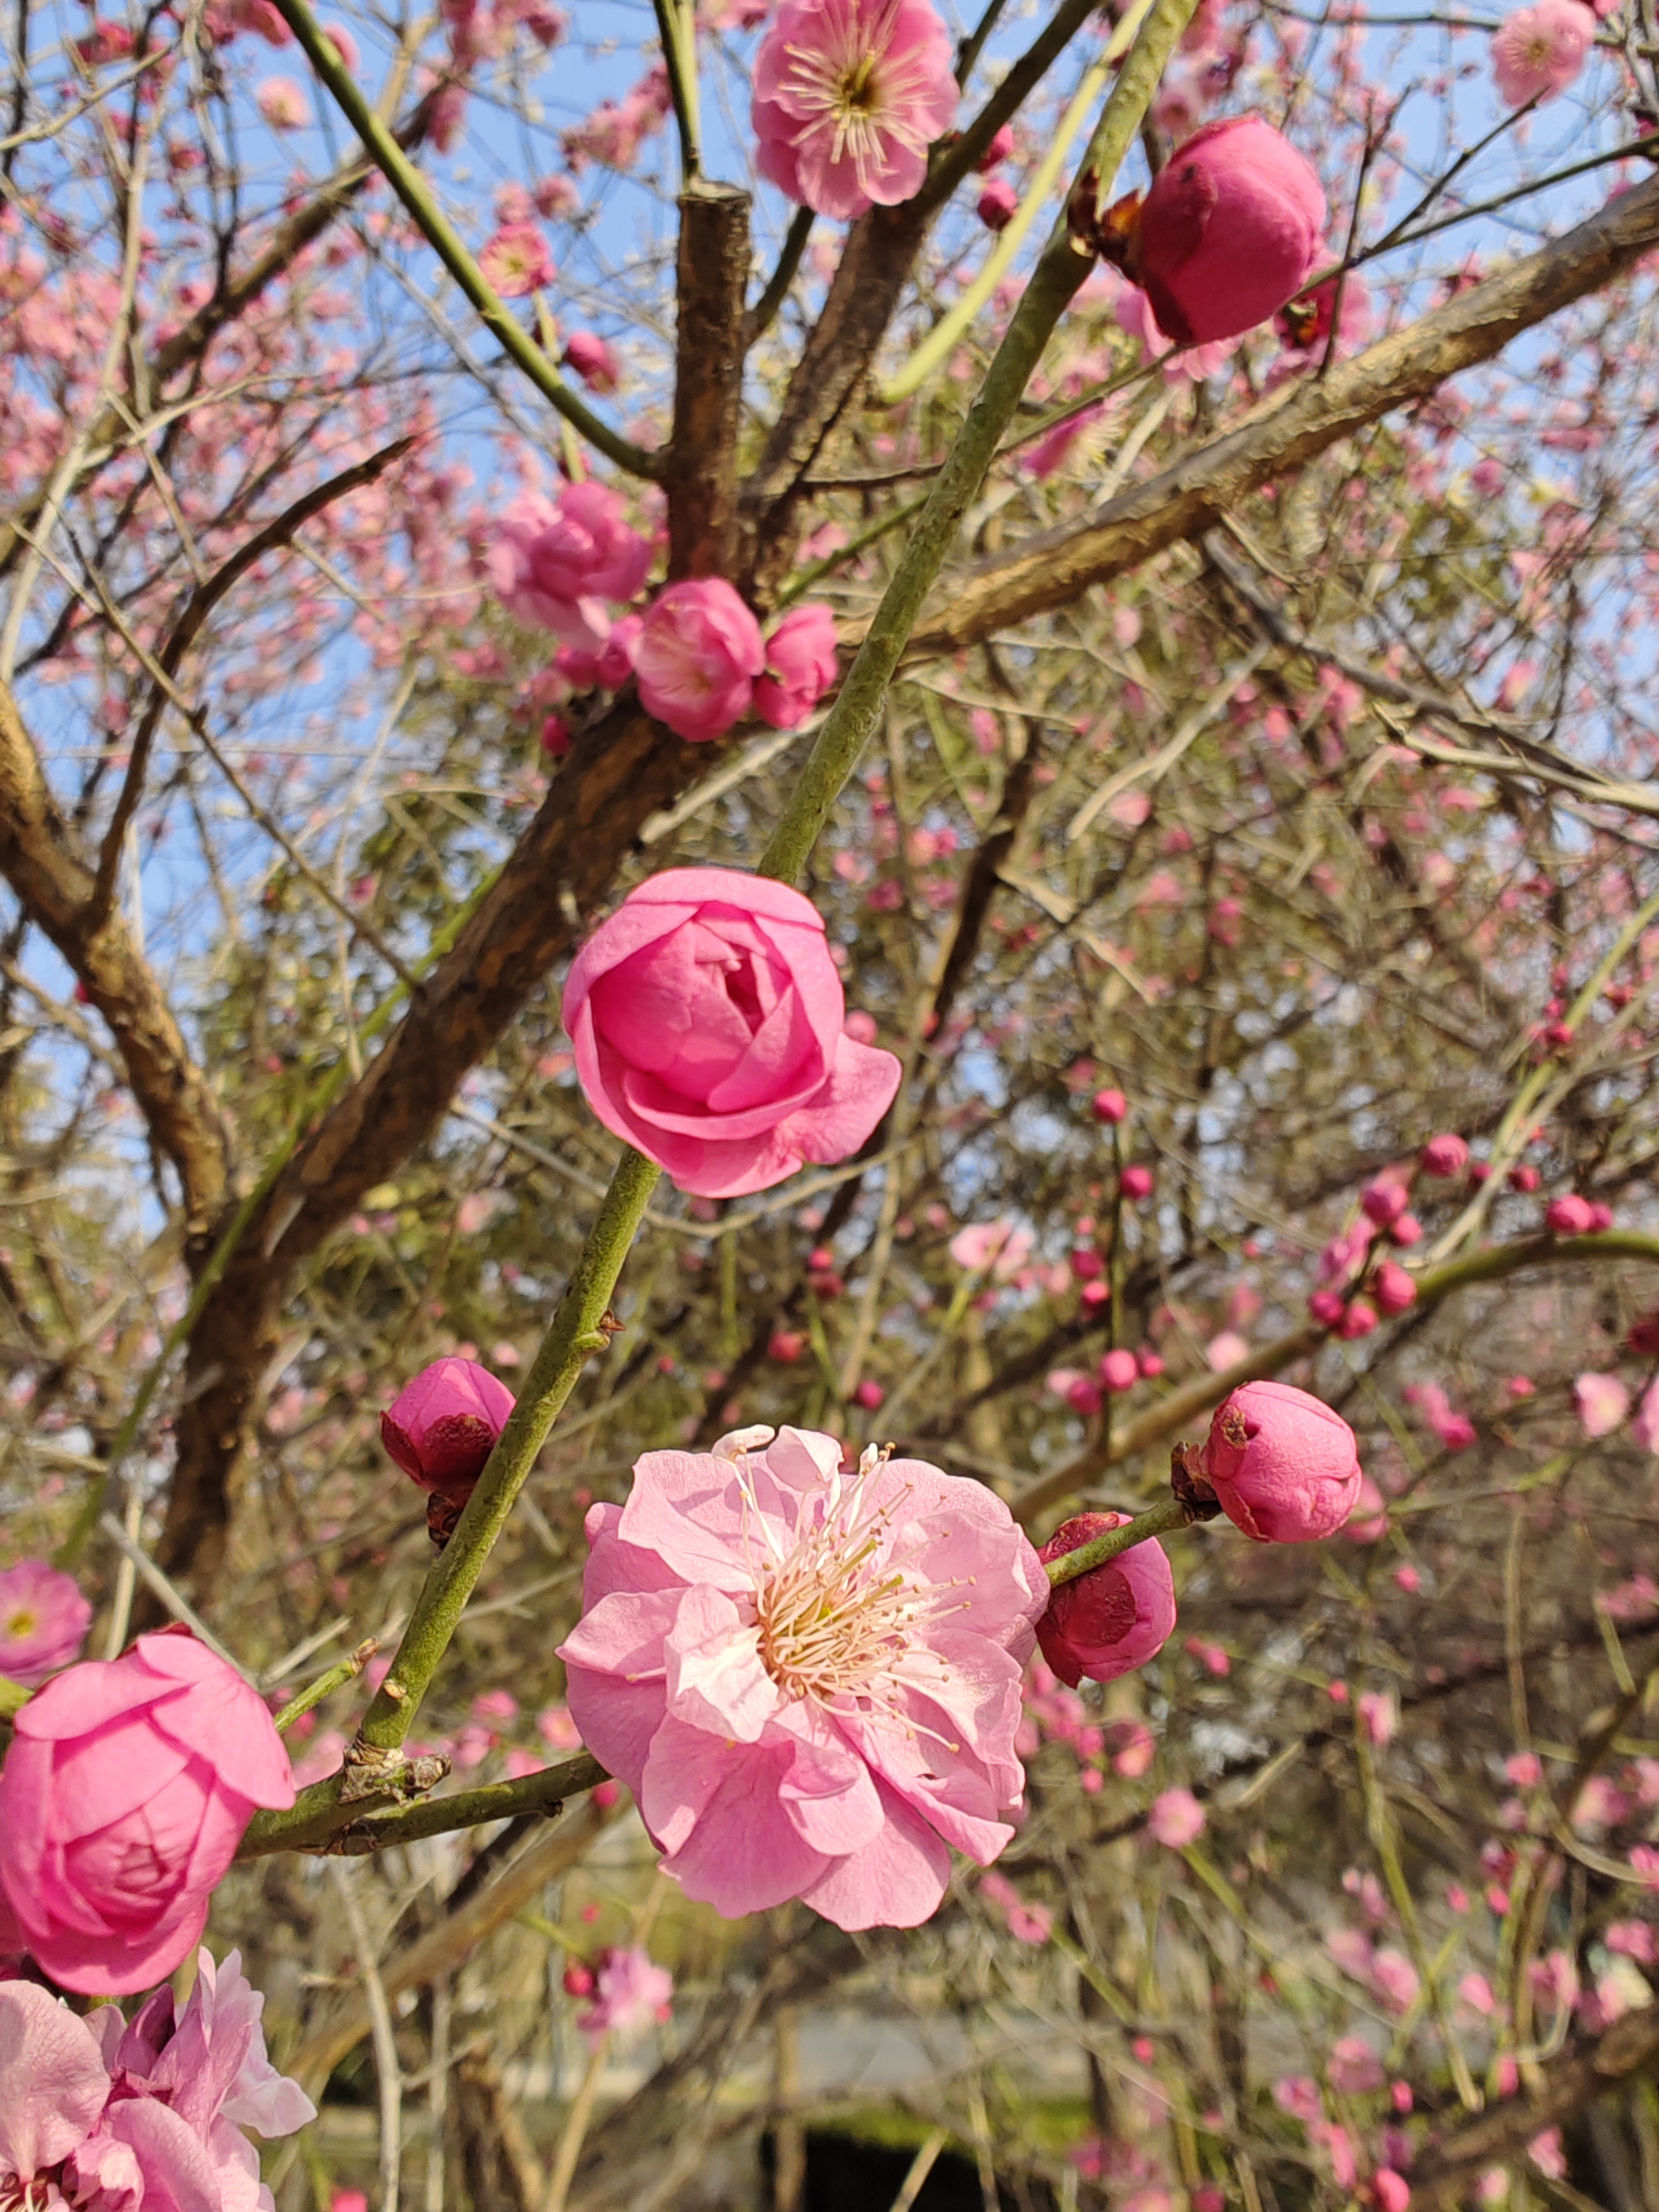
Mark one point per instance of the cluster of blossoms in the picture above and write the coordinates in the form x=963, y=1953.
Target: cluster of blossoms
x=100, y=2113
x=698, y=654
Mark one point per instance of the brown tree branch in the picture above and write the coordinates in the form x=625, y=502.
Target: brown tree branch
x=55, y=889
x=713, y=281
x=1286, y=431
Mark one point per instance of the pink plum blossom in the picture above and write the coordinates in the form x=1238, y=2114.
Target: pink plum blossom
x=44, y=1620
x=1284, y=1467
x=1119, y=1370
x=1000, y=1246
x=696, y=658
x=1540, y=49
x=808, y=1676
x=123, y=1798
x=1603, y=1402
x=1176, y=1818
x=442, y=1425
x=558, y=563
x=1230, y=230
x=850, y=94
x=1110, y=1107
x=1393, y=1289
x=1113, y=1619
x=1645, y=1422
x=1353, y=2069
x=1446, y=1155
x=800, y=666
x=707, y=1016
x=629, y=1993
x=593, y=360
x=516, y=262
x=1570, y=1215
x=997, y=204
x=282, y=104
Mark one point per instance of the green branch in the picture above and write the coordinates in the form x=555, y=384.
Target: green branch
x=411, y=189
x=1156, y=1521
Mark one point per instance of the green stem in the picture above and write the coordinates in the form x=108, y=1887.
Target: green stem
x=762, y=313
x=1156, y=1521
x=325, y=1685
x=410, y=187
x=803, y=579
x=1060, y=270
x=342, y=1835
x=574, y=1334
x=676, y=25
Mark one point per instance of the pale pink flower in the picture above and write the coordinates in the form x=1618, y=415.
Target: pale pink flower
x=696, y=658
x=1396, y=1980
x=1001, y=1245
x=1226, y=1351
x=515, y=261
x=343, y=44
x=1540, y=49
x=558, y=563
x=800, y=666
x=1353, y=2069
x=1298, y=2094
x=53, y=2086
x=1602, y=1400
x=630, y=1993
x=1392, y=2191
x=282, y=104
x=1380, y=1714
x=809, y=1678
x=1176, y=1818
x=1570, y=1215
x=123, y=1798
x=708, y=1019
x=850, y=94
x=44, y=1620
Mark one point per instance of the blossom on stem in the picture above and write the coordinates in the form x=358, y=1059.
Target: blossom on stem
x=557, y=564
x=515, y=261
x=850, y=94
x=123, y=1798
x=707, y=1016
x=800, y=666
x=442, y=1425
x=44, y=1620
x=1113, y=1619
x=696, y=658
x=630, y=1992
x=808, y=1676
x=1541, y=49
x=1285, y=1468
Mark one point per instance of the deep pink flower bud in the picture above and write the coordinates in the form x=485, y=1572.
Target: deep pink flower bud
x=1096, y=1293
x=786, y=1345
x=442, y=1426
x=1081, y=1396
x=698, y=653
x=1404, y=1232
x=1086, y=1263
x=1137, y=1183
x=1283, y=1465
x=1118, y=1370
x=1642, y=1340
x=1150, y=1362
x=1393, y=1288
x=1600, y=1217
x=555, y=737
x=1569, y=1216
x=123, y=1798
x=1000, y=149
x=1112, y=1620
x=1524, y=1178
x=1444, y=1156
x=869, y=1395
x=578, y=1979
x=1108, y=1106
x=1358, y=1319
x=998, y=204
x=1384, y=1201
x=1230, y=231
x=1325, y=1308
x=594, y=362
x=800, y=666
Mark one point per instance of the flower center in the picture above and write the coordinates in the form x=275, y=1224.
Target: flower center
x=21, y=1623
x=828, y=1624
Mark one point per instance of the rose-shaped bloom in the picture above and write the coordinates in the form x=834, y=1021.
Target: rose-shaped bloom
x=850, y=94
x=1113, y=1618
x=556, y=564
x=43, y=1621
x=696, y=658
x=809, y=1678
x=1230, y=231
x=707, y=1018
x=1284, y=1467
x=800, y=666
x=442, y=1426
x=123, y=1798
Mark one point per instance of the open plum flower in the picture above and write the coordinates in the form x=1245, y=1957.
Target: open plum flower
x=707, y=1016
x=809, y=1677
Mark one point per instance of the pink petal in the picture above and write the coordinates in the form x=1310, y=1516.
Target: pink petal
x=53, y=2081
x=898, y=1880
x=715, y=1678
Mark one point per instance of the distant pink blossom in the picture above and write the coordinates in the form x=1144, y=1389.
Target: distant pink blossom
x=1645, y=1422
x=1298, y=2095
x=1369, y=1520
x=559, y=564
x=1353, y=2069
x=282, y=104
x=1395, y=1979
x=696, y=658
x=1603, y=1402
x=593, y=360
x=809, y=1677
x=630, y=1993
x=1113, y=1618
x=1380, y=1714
x=1446, y=1155
x=1541, y=49
x=1393, y=1291
x=850, y=94
x=44, y=1620
x=1176, y=1818
x=997, y=204
x=800, y=666
x=343, y=44
x=1001, y=1246
x=1392, y=2191
x=1226, y=1351
x=516, y=262
x=1570, y=1215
